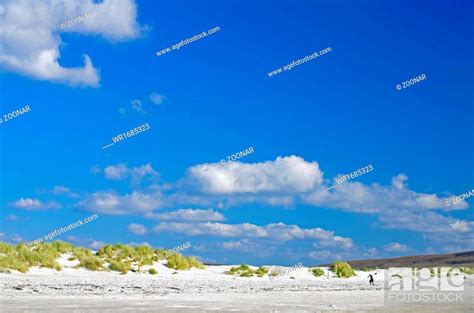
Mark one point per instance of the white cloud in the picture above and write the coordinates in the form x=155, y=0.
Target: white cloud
x=460, y=226
x=116, y=172
x=277, y=231
x=190, y=215
x=30, y=204
x=30, y=35
x=86, y=242
x=59, y=190
x=63, y=190
x=137, y=174
x=320, y=255
x=286, y=174
x=357, y=197
x=137, y=229
x=425, y=222
x=108, y=202
x=247, y=246
x=396, y=247
x=156, y=98
x=231, y=245
x=336, y=241
x=135, y=244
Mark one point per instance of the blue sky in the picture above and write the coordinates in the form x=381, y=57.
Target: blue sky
x=326, y=117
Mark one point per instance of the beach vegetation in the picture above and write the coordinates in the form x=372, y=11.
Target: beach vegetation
x=90, y=262
x=152, y=271
x=317, y=272
x=120, y=266
x=243, y=271
x=121, y=258
x=342, y=269
x=261, y=271
x=178, y=262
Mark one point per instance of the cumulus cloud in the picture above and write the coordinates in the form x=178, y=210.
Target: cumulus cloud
x=190, y=215
x=436, y=228
x=30, y=35
x=116, y=172
x=357, y=197
x=425, y=222
x=121, y=171
x=461, y=226
x=109, y=202
x=290, y=174
x=137, y=229
x=396, y=247
x=276, y=231
x=30, y=204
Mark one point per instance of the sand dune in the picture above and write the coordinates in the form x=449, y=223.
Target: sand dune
x=194, y=290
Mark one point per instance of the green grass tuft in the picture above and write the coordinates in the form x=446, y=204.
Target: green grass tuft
x=261, y=271
x=91, y=262
x=120, y=266
x=342, y=269
x=243, y=271
x=317, y=272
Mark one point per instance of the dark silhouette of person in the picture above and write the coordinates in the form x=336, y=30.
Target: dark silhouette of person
x=371, y=279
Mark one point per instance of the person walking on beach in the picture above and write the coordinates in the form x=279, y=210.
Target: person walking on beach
x=371, y=279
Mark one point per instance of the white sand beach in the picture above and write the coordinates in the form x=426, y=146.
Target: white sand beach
x=194, y=290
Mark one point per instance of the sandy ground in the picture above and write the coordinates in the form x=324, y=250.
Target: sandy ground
x=209, y=290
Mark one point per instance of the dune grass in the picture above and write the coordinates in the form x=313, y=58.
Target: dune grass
x=179, y=262
x=261, y=271
x=21, y=257
x=120, y=258
x=342, y=269
x=246, y=271
x=317, y=272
